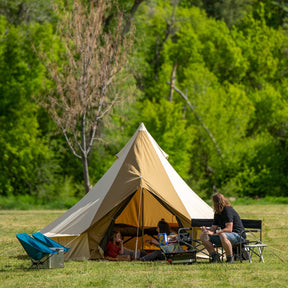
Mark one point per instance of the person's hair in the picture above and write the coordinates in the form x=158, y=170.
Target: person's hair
x=113, y=235
x=219, y=202
x=163, y=227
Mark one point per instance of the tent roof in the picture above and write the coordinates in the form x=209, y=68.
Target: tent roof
x=141, y=164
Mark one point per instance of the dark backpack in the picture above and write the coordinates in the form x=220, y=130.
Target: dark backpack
x=245, y=253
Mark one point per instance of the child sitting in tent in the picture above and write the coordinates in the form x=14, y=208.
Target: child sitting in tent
x=162, y=227
x=116, y=249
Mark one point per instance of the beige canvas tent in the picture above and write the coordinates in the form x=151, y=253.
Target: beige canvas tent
x=138, y=190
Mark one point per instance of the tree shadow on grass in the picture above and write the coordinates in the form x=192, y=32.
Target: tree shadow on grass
x=15, y=267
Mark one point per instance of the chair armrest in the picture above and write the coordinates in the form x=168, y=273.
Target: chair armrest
x=251, y=230
x=197, y=241
x=184, y=229
x=247, y=231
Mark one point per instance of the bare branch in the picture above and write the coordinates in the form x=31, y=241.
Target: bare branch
x=94, y=58
x=130, y=16
x=170, y=24
x=184, y=96
x=172, y=79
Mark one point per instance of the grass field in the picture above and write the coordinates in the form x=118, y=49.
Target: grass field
x=14, y=262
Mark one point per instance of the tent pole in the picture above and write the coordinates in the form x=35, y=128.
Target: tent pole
x=142, y=217
x=138, y=224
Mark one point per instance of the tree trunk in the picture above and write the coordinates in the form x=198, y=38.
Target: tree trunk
x=172, y=80
x=198, y=118
x=86, y=173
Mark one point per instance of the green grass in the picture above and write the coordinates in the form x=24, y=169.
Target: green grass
x=14, y=262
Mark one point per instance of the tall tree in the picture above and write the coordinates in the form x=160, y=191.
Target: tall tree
x=27, y=11
x=25, y=154
x=225, y=75
x=86, y=85
x=230, y=11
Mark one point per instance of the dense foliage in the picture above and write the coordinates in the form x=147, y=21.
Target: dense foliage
x=230, y=59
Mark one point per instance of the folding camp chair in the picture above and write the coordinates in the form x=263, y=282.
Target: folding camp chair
x=196, y=224
x=38, y=252
x=253, y=244
x=48, y=241
x=182, y=250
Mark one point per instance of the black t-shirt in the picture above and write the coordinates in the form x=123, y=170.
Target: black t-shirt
x=229, y=215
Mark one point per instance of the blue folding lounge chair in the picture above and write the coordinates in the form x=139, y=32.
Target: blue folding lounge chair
x=38, y=252
x=49, y=242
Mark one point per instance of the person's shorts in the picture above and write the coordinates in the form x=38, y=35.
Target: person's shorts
x=233, y=237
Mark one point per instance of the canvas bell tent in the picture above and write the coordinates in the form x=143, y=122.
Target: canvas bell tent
x=138, y=190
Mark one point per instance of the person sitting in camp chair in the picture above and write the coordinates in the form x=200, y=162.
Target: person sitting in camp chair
x=231, y=227
x=116, y=249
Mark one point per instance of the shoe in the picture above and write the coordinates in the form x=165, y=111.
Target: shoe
x=214, y=258
x=230, y=259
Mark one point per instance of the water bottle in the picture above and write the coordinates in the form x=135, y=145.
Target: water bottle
x=206, y=237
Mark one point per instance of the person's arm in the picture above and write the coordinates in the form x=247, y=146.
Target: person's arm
x=211, y=230
x=228, y=228
x=152, y=241
x=121, y=251
x=228, y=216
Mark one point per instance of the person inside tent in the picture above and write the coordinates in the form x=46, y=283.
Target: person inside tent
x=162, y=227
x=116, y=249
x=230, y=224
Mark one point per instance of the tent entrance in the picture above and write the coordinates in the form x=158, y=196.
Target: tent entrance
x=140, y=218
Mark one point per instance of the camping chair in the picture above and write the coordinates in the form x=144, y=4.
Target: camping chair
x=185, y=238
x=253, y=244
x=38, y=252
x=197, y=223
x=181, y=251
x=49, y=242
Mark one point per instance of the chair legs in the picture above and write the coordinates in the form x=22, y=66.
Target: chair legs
x=256, y=250
x=37, y=264
x=221, y=252
x=261, y=253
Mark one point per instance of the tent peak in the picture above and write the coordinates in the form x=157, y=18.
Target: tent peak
x=127, y=147
x=142, y=127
